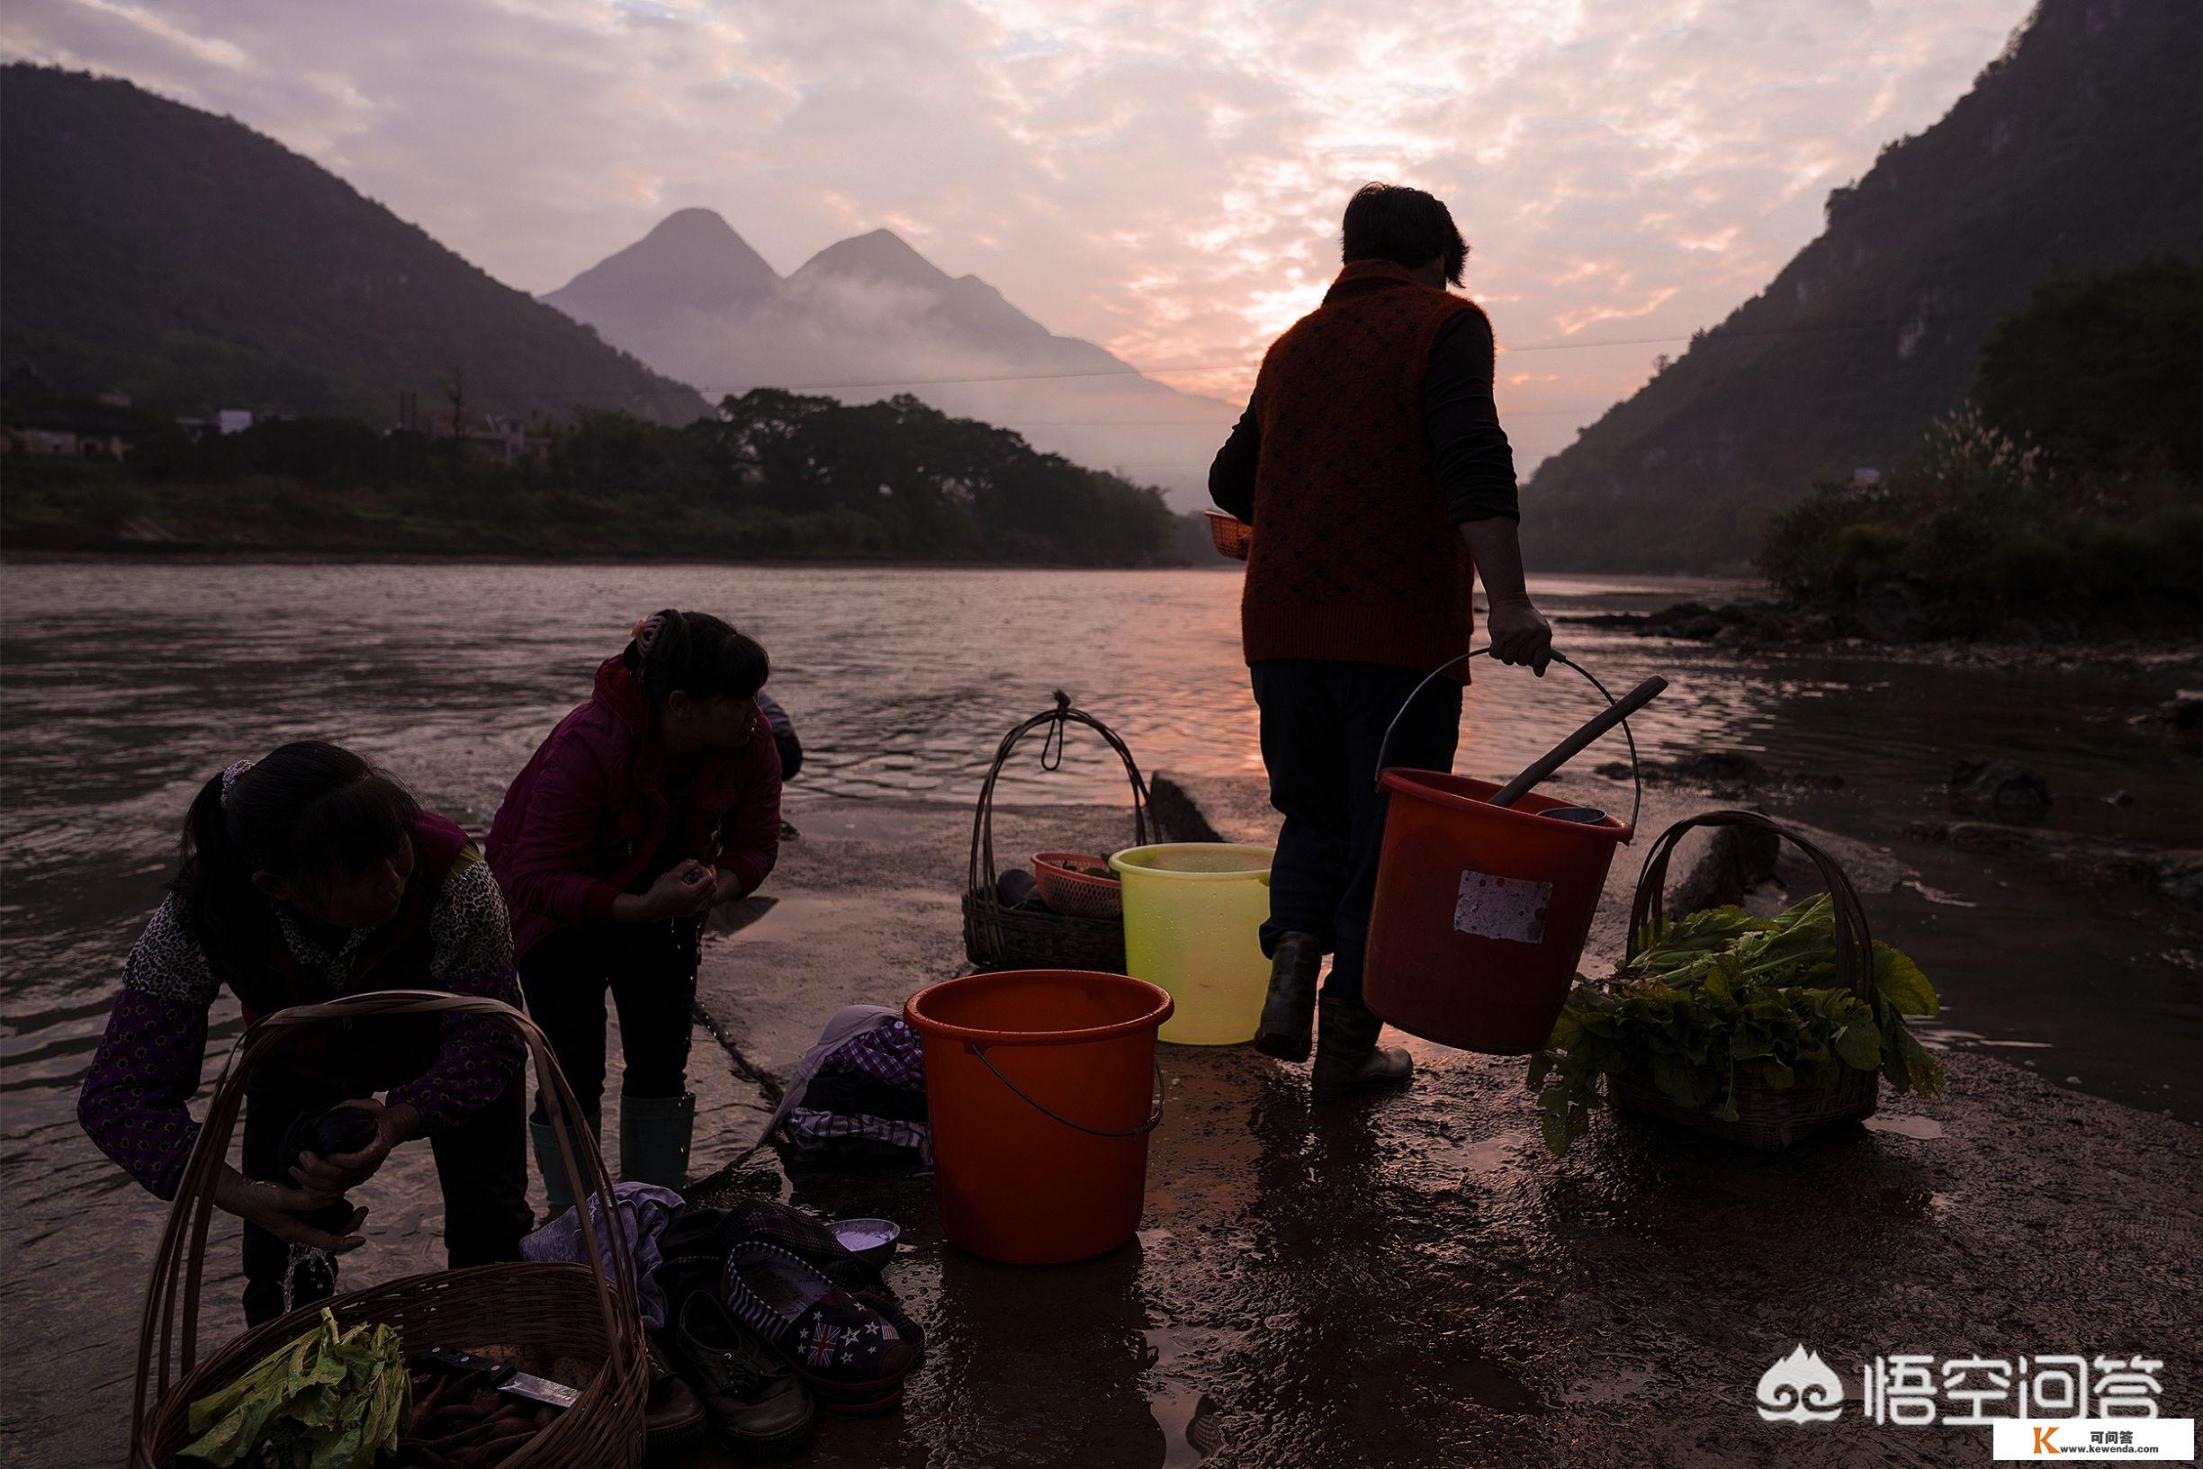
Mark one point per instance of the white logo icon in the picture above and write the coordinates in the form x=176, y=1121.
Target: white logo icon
x=1800, y=1389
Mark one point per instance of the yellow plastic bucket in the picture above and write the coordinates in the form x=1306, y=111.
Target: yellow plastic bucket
x=1193, y=916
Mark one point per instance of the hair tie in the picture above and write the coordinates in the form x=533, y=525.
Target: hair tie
x=646, y=632
x=230, y=772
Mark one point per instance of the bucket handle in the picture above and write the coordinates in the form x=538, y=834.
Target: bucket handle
x=1636, y=769
x=1154, y=1120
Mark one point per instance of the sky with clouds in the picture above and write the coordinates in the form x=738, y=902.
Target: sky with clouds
x=1164, y=178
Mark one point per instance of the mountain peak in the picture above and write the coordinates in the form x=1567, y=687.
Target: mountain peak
x=692, y=261
x=880, y=255
x=694, y=223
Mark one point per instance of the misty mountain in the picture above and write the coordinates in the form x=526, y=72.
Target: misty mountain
x=183, y=258
x=871, y=317
x=2079, y=149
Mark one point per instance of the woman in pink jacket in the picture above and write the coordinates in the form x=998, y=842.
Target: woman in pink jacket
x=650, y=803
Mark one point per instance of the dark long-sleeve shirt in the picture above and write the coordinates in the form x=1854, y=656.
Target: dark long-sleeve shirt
x=136, y=1099
x=1476, y=466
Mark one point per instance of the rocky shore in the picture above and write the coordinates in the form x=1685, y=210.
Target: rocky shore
x=1895, y=624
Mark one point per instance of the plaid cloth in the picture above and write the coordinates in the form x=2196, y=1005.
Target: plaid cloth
x=813, y=1132
x=891, y=1054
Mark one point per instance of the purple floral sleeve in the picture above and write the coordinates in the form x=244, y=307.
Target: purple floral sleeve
x=471, y=954
x=135, y=1101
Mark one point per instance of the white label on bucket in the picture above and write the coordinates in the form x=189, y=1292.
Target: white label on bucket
x=1502, y=907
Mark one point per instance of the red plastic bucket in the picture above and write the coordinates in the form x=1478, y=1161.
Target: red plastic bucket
x=1041, y=1088
x=1481, y=911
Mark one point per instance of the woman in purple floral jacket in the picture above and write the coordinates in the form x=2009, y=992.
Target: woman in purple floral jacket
x=308, y=876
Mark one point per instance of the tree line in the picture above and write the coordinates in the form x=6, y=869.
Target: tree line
x=768, y=474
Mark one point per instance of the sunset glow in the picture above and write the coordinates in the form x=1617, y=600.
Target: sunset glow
x=1164, y=180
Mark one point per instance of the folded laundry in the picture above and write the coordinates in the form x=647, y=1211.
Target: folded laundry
x=645, y=1212
x=858, y=1095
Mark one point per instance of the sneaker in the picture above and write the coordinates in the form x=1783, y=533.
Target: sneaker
x=853, y=1356
x=756, y=1405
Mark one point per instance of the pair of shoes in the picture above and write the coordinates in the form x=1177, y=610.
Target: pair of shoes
x=1348, y=1058
x=559, y=1197
x=757, y=1406
x=1290, y=1010
x=673, y=1416
x=848, y=1350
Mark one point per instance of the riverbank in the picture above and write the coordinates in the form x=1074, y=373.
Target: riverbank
x=1900, y=630
x=493, y=513
x=1410, y=1282
x=1415, y=1281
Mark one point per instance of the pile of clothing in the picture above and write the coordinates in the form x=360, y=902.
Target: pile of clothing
x=858, y=1096
x=758, y=1318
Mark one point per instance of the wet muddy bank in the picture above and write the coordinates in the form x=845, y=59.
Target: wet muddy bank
x=1415, y=1281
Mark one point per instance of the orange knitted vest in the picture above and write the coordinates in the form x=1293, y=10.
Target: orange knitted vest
x=1354, y=557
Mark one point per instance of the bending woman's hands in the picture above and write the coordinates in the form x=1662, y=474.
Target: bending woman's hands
x=333, y=1175
x=278, y=1210
x=679, y=891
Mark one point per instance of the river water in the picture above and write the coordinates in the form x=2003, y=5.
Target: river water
x=127, y=684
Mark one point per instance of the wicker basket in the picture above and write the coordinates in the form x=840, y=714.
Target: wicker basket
x=1768, y=1118
x=1230, y=535
x=996, y=937
x=570, y=1313
x=1076, y=893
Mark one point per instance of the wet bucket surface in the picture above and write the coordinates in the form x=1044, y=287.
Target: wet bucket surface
x=1193, y=916
x=1016, y=1185
x=1481, y=911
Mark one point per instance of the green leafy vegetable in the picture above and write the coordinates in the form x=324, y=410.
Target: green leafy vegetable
x=328, y=1400
x=1721, y=996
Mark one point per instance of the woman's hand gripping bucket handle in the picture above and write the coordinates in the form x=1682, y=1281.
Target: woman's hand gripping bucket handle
x=1154, y=1119
x=1641, y=695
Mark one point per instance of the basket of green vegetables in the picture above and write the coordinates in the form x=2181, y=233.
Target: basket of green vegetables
x=327, y=1386
x=1761, y=1030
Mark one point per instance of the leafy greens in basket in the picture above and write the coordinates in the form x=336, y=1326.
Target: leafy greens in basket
x=1720, y=997
x=329, y=1399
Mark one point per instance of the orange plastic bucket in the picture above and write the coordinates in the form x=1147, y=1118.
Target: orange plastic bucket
x=1041, y=1088
x=1481, y=911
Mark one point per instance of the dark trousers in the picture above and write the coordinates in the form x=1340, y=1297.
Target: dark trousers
x=650, y=968
x=481, y=1164
x=1322, y=725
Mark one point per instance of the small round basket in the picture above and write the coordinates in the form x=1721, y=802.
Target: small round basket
x=1230, y=535
x=584, y=1320
x=999, y=937
x=1068, y=890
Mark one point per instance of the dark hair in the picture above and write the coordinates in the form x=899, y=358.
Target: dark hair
x=1403, y=225
x=696, y=654
x=305, y=811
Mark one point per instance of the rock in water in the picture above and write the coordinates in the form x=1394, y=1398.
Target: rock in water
x=1997, y=788
x=2183, y=711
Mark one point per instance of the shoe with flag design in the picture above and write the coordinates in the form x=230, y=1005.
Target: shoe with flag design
x=853, y=1356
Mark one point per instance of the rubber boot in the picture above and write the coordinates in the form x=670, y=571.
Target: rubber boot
x=1348, y=1058
x=654, y=1135
x=1290, y=1012
x=558, y=1197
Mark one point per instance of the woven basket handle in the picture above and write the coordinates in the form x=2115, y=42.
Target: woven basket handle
x=1854, y=944
x=168, y=1340
x=982, y=870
